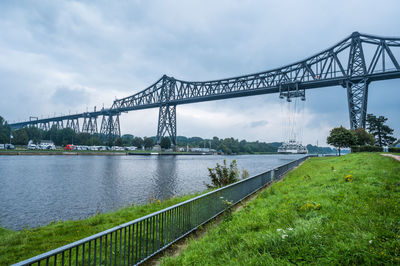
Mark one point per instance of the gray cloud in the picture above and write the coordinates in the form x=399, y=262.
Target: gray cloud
x=70, y=96
x=116, y=49
x=259, y=123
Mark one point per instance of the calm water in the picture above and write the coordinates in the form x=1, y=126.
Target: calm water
x=35, y=190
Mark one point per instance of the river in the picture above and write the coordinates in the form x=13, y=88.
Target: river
x=36, y=190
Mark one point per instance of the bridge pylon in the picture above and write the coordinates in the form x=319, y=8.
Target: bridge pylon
x=357, y=89
x=89, y=124
x=167, y=123
x=110, y=126
x=167, y=112
x=73, y=124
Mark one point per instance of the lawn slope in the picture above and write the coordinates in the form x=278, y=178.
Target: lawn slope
x=332, y=210
x=19, y=245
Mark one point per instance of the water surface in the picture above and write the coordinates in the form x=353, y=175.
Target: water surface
x=35, y=190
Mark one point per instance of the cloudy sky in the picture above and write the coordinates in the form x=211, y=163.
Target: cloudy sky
x=69, y=56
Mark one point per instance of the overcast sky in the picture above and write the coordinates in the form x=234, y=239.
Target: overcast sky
x=69, y=56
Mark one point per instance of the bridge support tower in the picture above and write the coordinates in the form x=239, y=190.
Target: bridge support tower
x=167, y=112
x=90, y=124
x=110, y=127
x=357, y=89
x=167, y=123
x=73, y=124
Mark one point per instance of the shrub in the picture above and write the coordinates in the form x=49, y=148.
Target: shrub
x=221, y=175
x=393, y=149
x=366, y=149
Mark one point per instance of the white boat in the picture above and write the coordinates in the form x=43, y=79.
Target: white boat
x=292, y=147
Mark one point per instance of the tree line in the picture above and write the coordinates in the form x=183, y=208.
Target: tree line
x=377, y=133
x=62, y=137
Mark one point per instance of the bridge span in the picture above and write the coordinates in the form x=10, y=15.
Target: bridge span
x=353, y=63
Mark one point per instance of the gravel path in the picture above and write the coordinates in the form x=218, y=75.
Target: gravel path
x=397, y=157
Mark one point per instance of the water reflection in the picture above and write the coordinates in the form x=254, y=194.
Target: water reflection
x=35, y=190
x=164, y=178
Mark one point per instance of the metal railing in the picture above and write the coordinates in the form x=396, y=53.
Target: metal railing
x=138, y=240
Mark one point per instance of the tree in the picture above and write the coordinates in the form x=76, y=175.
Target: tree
x=137, y=142
x=340, y=138
x=379, y=130
x=4, y=131
x=35, y=134
x=20, y=137
x=127, y=139
x=148, y=142
x=165, y=143
x=221, y=175
x=119, y=142
x=362, y=137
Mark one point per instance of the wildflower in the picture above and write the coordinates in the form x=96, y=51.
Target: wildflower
x=349, y=178
x=284, y=236
x=278, y=230
x=221, y=197
x=370, y=241
x=159, y=201
x=290, y=229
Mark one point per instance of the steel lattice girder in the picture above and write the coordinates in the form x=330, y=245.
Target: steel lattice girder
x=110, y=126
x=74, y=124
x=90, y=124
x=331, y=67
x=343, y=64
x=167, y=123
x=357, y=96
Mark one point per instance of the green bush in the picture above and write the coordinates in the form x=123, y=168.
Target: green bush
x=393, y=149
x=366, y=149
x=223, y=175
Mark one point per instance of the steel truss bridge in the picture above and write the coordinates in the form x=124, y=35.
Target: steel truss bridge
x=352, y=63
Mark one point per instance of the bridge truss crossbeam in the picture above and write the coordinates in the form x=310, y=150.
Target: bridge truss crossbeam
x=352, y=63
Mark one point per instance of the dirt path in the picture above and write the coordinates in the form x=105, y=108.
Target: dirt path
x=397, y=157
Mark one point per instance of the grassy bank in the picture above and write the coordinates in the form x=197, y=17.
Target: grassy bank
x=314, y=216
x=19, y=245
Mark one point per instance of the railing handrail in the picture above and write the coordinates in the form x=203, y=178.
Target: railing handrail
x=118, y=227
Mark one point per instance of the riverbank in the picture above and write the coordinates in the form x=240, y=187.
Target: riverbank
x=331, y=210
x=107, y=153
x=121, y=153
x=19, y=245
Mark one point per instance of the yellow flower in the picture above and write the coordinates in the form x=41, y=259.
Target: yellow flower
x=349, y=178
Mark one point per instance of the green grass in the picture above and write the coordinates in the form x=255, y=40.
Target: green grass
x=19, y=245
x=312, y=217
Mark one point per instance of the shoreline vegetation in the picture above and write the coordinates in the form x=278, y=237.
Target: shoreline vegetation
x=19, y=245
x=329, y=211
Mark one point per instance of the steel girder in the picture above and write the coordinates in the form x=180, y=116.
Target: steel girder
x=352, y=63
x=357, y=92
x=73, y=124
x=110, y=126
x=90, y=124
x=343, y=64
x=327, y=68
x=167, y=113
x=167, y=123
